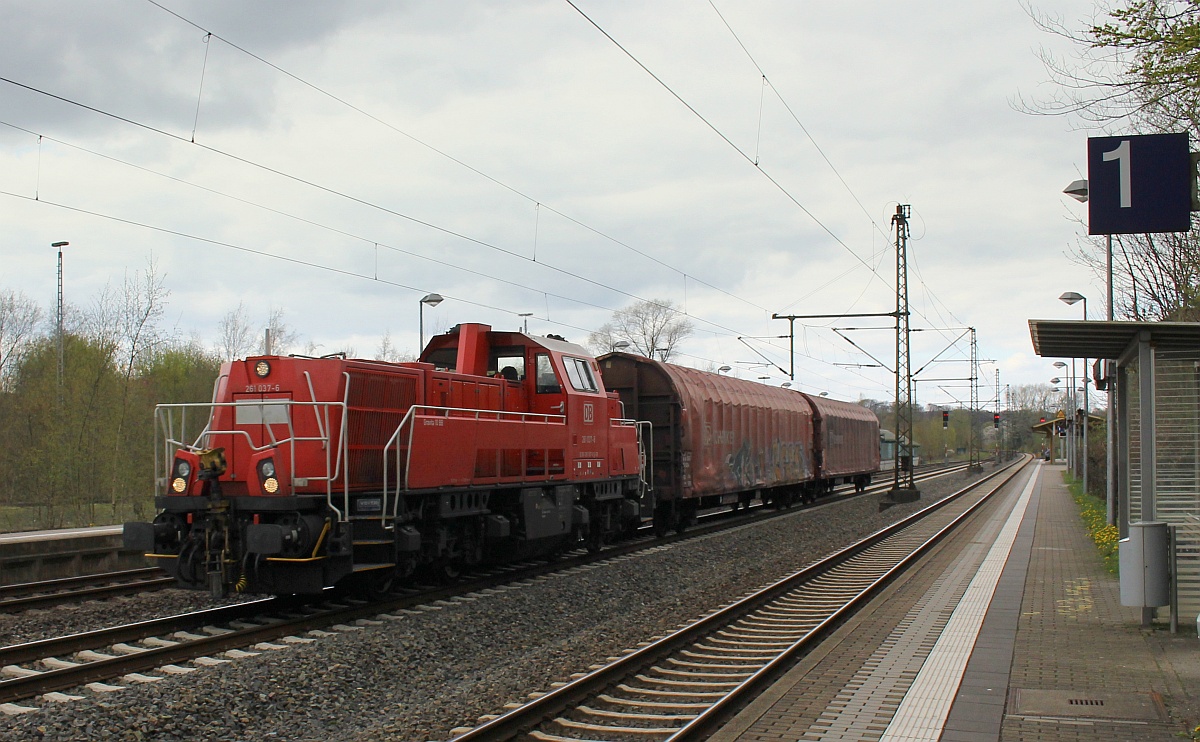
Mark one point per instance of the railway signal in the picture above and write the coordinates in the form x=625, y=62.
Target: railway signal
x=996, y=420
x=945, y=419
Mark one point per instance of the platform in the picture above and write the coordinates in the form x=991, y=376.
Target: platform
x=1012, y=631
x=31, y=556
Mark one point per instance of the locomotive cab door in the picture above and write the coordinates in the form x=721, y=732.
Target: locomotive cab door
x=548, y=396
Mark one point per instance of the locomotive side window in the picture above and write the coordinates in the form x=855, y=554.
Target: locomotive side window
x=580, y=374
x=509, y=365
x=547, y=382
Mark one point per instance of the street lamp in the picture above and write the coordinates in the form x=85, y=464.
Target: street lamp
x=1079, y=191
x=1071, y=297
x=59, y=246
x=724, y=369
x=823, y=394
x=1070, y=402
x=432, y=300
x=786, y=384
x=619, y=345
x=525, y=316
x=662, y=353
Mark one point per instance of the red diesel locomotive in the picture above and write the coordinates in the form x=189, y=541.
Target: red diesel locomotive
x=308, y=472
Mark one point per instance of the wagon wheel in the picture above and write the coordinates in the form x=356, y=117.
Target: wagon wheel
x=662, y=521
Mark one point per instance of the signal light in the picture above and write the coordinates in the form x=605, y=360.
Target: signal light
x=996, y=420
x=1043, y=419
x=945, y=419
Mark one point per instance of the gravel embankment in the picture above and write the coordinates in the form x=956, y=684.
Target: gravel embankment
x=72, y=618
x=418, y=677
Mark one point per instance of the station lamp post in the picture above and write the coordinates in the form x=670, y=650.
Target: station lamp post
x=1072, y=297
x=525, y=320
x=619, y=345
x=432, y=300
x=724, y=369
x=1070, y=402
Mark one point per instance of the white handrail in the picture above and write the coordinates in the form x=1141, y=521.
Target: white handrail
x=165, y=415
x=450, y=412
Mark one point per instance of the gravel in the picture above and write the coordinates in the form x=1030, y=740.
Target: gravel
x=418, y=676
x=72, y=618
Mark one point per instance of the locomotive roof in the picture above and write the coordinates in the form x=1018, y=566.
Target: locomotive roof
x=558, y=346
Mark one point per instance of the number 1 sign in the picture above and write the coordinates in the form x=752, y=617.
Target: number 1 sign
x=1139, y=183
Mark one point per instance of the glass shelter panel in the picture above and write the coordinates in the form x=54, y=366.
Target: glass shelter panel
x=1177, y=463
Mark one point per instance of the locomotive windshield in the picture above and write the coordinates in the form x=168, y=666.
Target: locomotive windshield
x=579, y=371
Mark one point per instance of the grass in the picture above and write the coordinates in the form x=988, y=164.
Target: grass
x=1094, y=513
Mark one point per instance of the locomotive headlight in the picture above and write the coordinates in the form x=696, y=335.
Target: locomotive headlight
x=182, y=468
x=268, y=468
x=271, y=485
x=262, y=369
x=179, y=484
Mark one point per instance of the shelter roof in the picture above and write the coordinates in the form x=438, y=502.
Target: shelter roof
x=1095, y=339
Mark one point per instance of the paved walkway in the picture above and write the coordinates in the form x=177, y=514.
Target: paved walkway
x=1054, y=656
x=1076, y=642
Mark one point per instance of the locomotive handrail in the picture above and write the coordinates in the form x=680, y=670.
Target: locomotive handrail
x=448, y=412
x=166, y=419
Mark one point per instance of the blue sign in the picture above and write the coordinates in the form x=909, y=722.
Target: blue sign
x=1140, y=183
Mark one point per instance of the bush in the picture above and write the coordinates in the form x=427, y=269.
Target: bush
x=1095, y=518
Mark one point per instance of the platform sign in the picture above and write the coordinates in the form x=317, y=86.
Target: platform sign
x=1139, y=183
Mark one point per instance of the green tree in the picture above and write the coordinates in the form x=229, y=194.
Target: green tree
x=1135, y=67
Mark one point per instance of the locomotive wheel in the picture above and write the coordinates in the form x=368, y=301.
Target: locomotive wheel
x=447, y=571
x=378, y=583
x=595, y=541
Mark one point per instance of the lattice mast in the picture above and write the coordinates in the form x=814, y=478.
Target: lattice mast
x=903, y=472
x=973, y=410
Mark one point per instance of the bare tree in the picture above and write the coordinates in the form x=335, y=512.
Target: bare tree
x=283, y=337
x=237, y=336
x=387, y=351
x=19, y=318
x=1155, y=276
x=652, y=328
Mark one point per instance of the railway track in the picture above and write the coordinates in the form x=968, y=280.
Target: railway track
x=215, y=635
x=682, y=686
x=23, y=596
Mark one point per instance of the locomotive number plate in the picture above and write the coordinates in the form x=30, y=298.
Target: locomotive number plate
x=262, y=387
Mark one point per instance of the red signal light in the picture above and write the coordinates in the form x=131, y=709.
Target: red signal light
x=945, y=419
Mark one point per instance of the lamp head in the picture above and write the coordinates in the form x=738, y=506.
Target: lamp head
x=1071, y=297
x=432, y=299
x=1078, y=190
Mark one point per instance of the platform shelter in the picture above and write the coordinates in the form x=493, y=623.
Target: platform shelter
x=1156, y=415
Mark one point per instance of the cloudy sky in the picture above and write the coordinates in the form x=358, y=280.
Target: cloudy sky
x=338, y=161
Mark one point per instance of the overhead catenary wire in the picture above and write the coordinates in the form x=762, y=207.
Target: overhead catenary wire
x=512, y=189
x=538, y=205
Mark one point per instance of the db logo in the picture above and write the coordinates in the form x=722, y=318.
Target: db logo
x=589, y=415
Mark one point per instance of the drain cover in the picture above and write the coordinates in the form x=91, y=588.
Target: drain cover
x=1088, y=704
